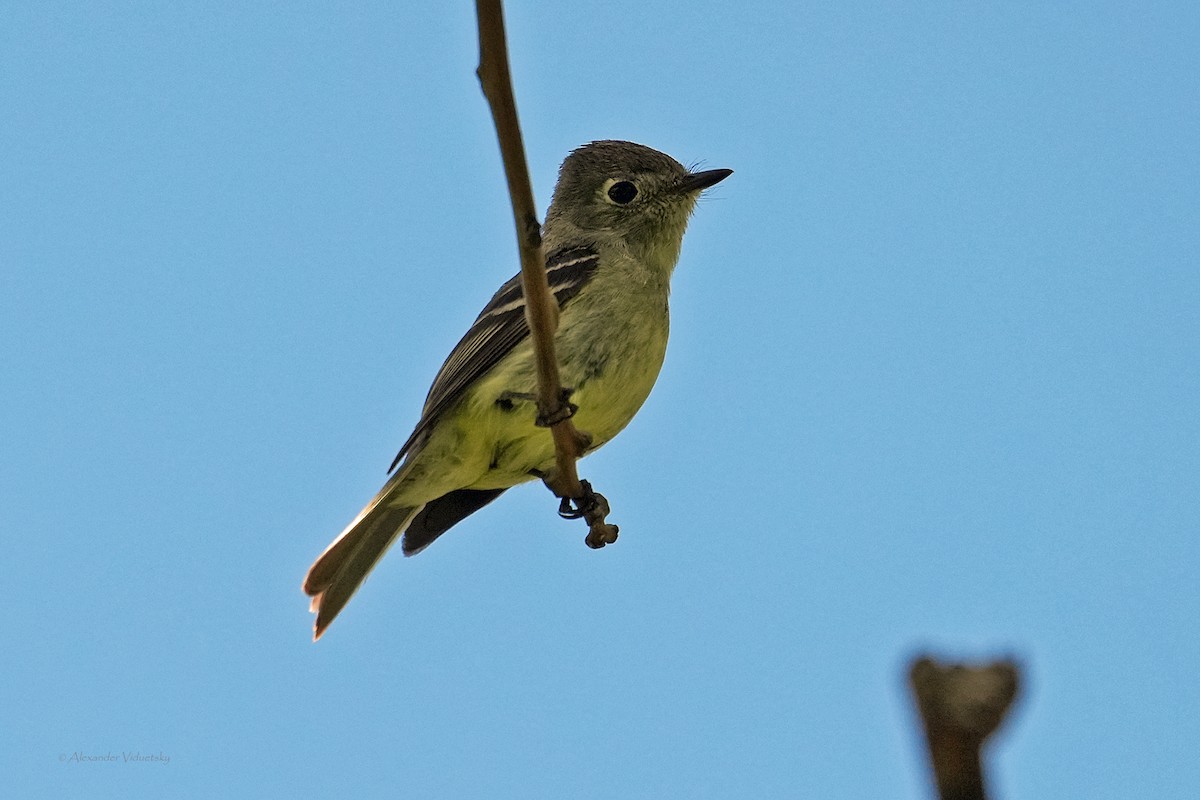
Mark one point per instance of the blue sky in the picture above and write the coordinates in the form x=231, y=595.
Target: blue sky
x=932, y=384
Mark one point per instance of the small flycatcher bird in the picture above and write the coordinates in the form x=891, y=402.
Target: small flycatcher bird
x=612, y=238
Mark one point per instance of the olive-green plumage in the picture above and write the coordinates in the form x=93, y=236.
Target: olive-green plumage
x=612, y=237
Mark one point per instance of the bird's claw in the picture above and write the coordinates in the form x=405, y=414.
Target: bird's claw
x=565, y=411
x=592, y=507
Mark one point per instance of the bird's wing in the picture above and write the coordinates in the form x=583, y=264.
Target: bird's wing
x=496, y=331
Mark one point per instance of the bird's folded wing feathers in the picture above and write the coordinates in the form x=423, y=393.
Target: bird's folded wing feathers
x=496, y=331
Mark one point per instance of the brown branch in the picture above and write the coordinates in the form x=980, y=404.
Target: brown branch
x=961, y=706
x=541, y=310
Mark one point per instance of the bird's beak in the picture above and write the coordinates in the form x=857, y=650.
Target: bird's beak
x=702, y=180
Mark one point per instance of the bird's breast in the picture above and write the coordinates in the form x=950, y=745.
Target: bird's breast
x=611, y=362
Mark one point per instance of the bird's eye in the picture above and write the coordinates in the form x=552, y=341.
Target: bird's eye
x=622, y=193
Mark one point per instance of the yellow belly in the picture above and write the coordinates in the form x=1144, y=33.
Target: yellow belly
x=485, y=444
x=512, y=445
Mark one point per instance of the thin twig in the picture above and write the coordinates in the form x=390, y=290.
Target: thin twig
x=961, y=705
x=541, y=310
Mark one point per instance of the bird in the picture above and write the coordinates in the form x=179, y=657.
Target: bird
x=612, y=237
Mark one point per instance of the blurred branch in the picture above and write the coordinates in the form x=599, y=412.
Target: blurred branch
x=961, y=706
x=541, y=310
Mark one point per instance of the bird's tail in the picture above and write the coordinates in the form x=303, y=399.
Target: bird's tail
x=336, y=575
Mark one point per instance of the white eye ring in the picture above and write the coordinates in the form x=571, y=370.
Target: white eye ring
x=619, y=192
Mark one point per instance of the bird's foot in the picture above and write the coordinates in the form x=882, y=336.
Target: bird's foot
x=593, y=508
x=565, y=411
